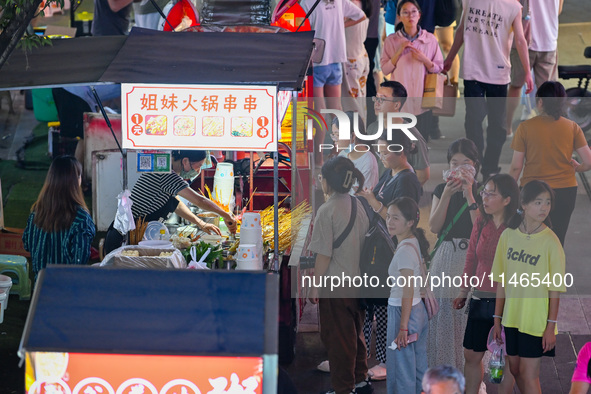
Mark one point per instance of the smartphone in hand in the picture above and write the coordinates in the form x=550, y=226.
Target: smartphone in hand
x=411, y=338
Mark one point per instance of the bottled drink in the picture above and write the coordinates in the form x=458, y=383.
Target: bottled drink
x=496, y=366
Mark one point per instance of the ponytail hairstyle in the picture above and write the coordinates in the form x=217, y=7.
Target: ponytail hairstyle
x=340, y=173
x=60, y=197
x=553, y=98
x=528, y=194
x=506, y=186
x=410, y=210
x=400, y=25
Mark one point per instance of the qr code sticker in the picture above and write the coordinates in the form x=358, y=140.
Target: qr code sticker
x=161, y=162
x=145, y=163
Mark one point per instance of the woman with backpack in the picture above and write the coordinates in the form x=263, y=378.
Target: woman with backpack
x=408, y=322
x=339, y=230
x=500, y=199
x=447, y=327
x=399, y=180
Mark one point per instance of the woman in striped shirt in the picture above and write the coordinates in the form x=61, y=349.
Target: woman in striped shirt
x=154, y=197
x=59, y=229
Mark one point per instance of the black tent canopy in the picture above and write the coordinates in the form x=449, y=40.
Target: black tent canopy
x=150, y=56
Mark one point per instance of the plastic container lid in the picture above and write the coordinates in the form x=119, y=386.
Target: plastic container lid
x=153, y=232
x=155, y=244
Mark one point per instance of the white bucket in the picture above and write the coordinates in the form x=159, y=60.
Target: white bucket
x=224, y=170
x=251, y=220
x=5, y=283
x=6, y=292
x=3, y=301
x=249, y=265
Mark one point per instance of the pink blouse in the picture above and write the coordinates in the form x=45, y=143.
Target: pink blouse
x=409, y=71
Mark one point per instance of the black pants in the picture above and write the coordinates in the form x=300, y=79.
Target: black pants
x=564, y=204
x=426, y=122
x=486, y=100
x=371, y=45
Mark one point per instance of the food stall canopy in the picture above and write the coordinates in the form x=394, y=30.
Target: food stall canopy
x=136, y=311
x=151, y=56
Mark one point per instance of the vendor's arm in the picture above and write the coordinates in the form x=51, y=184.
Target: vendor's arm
x=183, y=211
x=208, y=205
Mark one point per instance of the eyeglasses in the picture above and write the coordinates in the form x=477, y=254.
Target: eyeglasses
x=406, y=13
x=380, y=100
x=486, y=194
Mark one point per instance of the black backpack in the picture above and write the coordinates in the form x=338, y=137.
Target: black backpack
x=376, y=254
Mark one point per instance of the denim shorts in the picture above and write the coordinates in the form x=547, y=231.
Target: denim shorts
x=331, y=74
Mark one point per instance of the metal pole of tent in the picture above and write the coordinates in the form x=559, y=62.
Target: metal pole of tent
x=295, y=193
x=276, y=263
x=123, y=151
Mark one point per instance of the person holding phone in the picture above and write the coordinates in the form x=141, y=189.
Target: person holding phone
x=408, y=323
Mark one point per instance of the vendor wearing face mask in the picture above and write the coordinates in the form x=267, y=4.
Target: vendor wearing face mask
x=154, y=197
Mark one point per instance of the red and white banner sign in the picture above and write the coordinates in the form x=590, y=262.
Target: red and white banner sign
x=199, y=117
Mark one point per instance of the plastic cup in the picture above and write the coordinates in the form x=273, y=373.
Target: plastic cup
x=251, y=220
x=248, y=252
x=224, y=170
x=249, y=265
x=223, y=190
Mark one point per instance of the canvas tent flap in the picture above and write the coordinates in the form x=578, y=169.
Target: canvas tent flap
x=150, y=56
x=76, y=61
x=130, y=311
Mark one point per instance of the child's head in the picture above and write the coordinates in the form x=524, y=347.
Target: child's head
x=339, y=175
x=500, y=194
x=409, y=13
x=352, y=119
x=463, y=151
x=537, y=200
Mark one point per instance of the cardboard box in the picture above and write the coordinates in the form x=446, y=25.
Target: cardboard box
x=11, y=242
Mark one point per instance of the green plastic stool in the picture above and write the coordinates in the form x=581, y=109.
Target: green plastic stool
x=18, y=267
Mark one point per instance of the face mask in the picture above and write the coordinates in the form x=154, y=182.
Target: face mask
x=191, y=174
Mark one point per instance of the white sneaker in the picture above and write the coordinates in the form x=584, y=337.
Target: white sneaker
x=324, y=366
x=377, y=372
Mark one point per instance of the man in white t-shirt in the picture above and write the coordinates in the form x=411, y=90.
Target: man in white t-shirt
x=486, y=30
x=328, y=20
x=542, y=24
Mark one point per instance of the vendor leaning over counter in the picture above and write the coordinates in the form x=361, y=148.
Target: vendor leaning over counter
x=154, y=197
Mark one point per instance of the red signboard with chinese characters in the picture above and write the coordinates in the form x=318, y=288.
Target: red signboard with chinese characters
x=78, y=373
x=199, y=117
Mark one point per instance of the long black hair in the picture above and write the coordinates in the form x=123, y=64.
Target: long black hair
x=528, y=194
x=553, y=98
x=506, y=186
x=340, y=173
x=410, y=210
x=366, y=7
x=400, y=25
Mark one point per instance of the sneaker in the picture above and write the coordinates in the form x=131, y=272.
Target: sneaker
x=364, y=387
x=324, y=366
x=377, y=372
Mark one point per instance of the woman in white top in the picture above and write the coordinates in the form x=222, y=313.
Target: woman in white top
x=406, y=359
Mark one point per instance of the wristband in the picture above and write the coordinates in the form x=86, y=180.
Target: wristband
x=402, y=329
x=552, y=321
x=500, y=317
x=378, y=210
